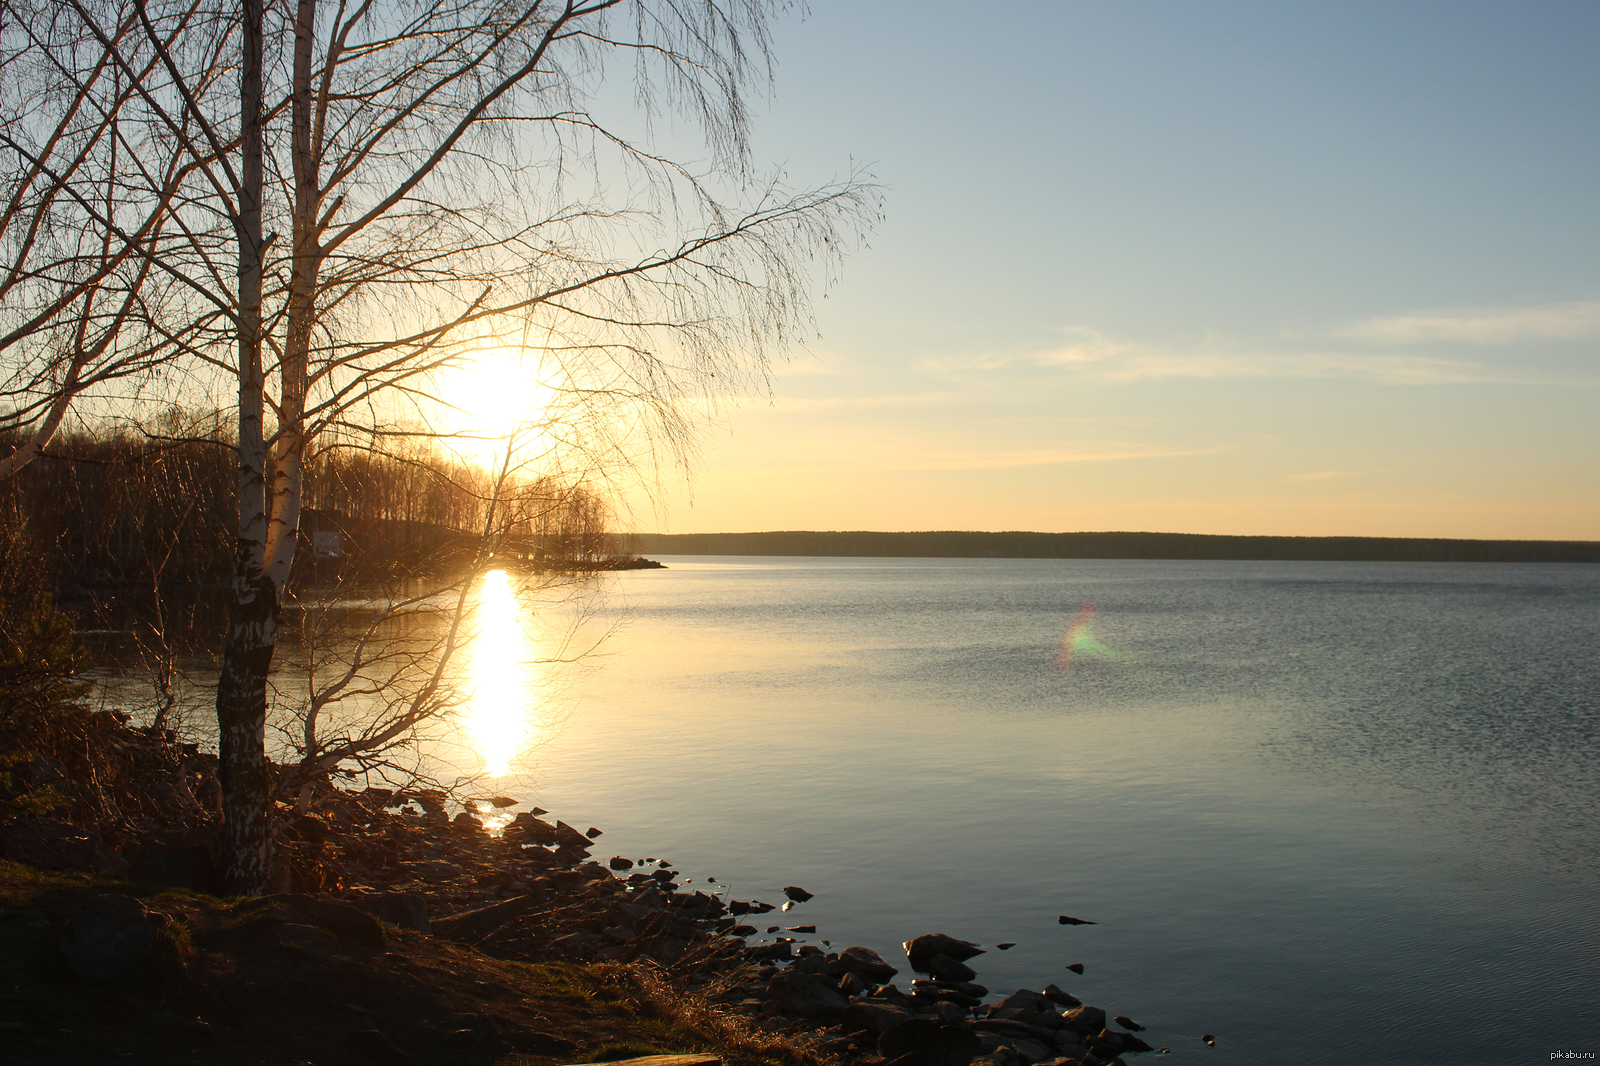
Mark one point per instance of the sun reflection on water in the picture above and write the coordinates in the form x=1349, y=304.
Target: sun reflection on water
x=499, y=714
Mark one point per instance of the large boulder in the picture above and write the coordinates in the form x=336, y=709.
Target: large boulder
x=920, y=949
x=109, y=937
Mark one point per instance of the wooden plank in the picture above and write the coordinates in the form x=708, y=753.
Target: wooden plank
x=660, y=1060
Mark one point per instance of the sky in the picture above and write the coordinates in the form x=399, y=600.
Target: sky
x=1219, y=267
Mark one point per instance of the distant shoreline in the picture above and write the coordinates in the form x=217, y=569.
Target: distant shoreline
x=1023, y=545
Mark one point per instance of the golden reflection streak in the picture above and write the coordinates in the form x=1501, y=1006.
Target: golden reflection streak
x=499, y=715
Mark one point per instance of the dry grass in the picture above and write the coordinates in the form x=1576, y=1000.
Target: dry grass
x=738, y=1038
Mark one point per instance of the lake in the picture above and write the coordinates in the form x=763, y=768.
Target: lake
x=1328, y=812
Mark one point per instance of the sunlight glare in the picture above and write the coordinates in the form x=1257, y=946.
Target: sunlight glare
x=499, y=717
x=493, y=396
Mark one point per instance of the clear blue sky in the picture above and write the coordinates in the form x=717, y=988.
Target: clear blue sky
x=1200, y=267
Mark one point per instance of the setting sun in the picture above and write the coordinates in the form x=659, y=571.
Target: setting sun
x=492, y=397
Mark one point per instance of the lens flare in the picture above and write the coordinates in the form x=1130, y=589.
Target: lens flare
x=1079, y=641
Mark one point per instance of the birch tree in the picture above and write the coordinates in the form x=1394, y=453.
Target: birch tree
x=364, y=194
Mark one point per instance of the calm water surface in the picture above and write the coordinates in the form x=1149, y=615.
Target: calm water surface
x=1332, y=813
x=1329, y=812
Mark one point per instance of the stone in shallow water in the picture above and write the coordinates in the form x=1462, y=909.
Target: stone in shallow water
x=1061, y=997
x=945, y=968
x=796, y=893
x=921, y=949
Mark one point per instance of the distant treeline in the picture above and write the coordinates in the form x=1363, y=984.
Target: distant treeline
x=116, y=507
x=977, y=545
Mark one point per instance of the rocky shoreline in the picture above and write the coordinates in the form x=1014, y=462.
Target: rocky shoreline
x=532, y=891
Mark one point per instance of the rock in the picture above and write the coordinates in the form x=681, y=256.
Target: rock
x=109, y=937
x=923, y=1042
x=927, y=993
x=480, y=922
x=1007, y=946
x=1069, y=920
x=1108, y=1045
x=851, y=985
x=506, y=801
x=757, y=907
x=591, y=832
x=1134, y=1044
x=1075, y=967
x=569, y=838
x=945, y=968
x=619, y=863
x=874, y=1019
x=1084, y=1020
x=921, y=949
x=1209, y=1040
x=1044, y=1020
x=810, y=962
x=1017, y=1028
x=866, y=962
x=779, y=950
x=794, y=892
x=1060, y=997
x=801, y=929
x=805, y=995
x=892, y=995
x=966, y=988
x=1032, y=1051
x=345, y=921
x=408, y=910
x=1025, y=998
x=1128, y=1023
x=736, y=906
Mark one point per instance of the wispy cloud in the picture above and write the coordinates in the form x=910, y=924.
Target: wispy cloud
x=1119, y=362
x=1499, y=325
x=1094, y=354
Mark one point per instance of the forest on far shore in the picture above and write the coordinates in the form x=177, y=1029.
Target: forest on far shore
x=1020, y=545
